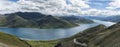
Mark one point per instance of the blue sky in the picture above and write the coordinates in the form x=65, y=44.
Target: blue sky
x=98, y=4
x=63, y=7
x=14, y=0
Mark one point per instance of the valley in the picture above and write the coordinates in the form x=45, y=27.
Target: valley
x=59, y=23
x=63, y=40
x=51, y=31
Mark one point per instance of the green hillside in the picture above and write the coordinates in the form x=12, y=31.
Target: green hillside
x=16, y=21
x=54, y=22
x=11, y=41
x=95, y=37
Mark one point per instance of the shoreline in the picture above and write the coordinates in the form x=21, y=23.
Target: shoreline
x=37, y=40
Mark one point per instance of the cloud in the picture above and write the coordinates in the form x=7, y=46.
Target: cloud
x=54, y=7
x=79, y=3
x=44, y=6
x=114, y=4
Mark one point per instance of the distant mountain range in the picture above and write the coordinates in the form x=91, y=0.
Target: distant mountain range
x=75, y=19
x=38, y=20
x=99, y=36
x=108, y=18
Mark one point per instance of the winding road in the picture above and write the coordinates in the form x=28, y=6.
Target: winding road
x=3, y=45
x=79, y=43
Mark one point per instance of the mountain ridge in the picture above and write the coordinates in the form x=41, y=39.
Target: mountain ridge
x=38, y=20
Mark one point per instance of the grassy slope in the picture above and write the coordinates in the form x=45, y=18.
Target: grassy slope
x=87, y=31
x=11, y=40
x=42, y=43
x=68, y=42
x=108, y=37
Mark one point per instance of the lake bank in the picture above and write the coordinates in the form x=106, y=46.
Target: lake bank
x=50, y=43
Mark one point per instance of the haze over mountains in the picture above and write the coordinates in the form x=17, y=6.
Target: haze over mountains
x=34, y=19
x=107, y=18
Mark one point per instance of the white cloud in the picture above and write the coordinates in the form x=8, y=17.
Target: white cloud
x=79, y=3
x=53, y=7
x=114, y=4
x=44, y=6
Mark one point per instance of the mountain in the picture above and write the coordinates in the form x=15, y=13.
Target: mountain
x=34, y=19
x=38, y=20
x=7, y=40
x=51, y=21
x=108, y=18
x=112, y=18
x=16, y=21
x=28, y=15
x=2, y=20
x=99, y=36
x=76, y=19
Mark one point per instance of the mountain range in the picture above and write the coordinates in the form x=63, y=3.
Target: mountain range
x=75, y=19
x=108, y=18
x=38, y=20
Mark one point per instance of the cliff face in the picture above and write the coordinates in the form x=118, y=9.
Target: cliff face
x=95, y=37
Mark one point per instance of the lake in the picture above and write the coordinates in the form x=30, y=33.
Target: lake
x=51, y=34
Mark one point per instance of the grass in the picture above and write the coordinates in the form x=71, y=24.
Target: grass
x=51, y=43
x=12, y=40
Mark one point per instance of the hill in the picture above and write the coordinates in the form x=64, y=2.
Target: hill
x=16, y=21
x=51, y=21
x=94, y=37
x=7, y=40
